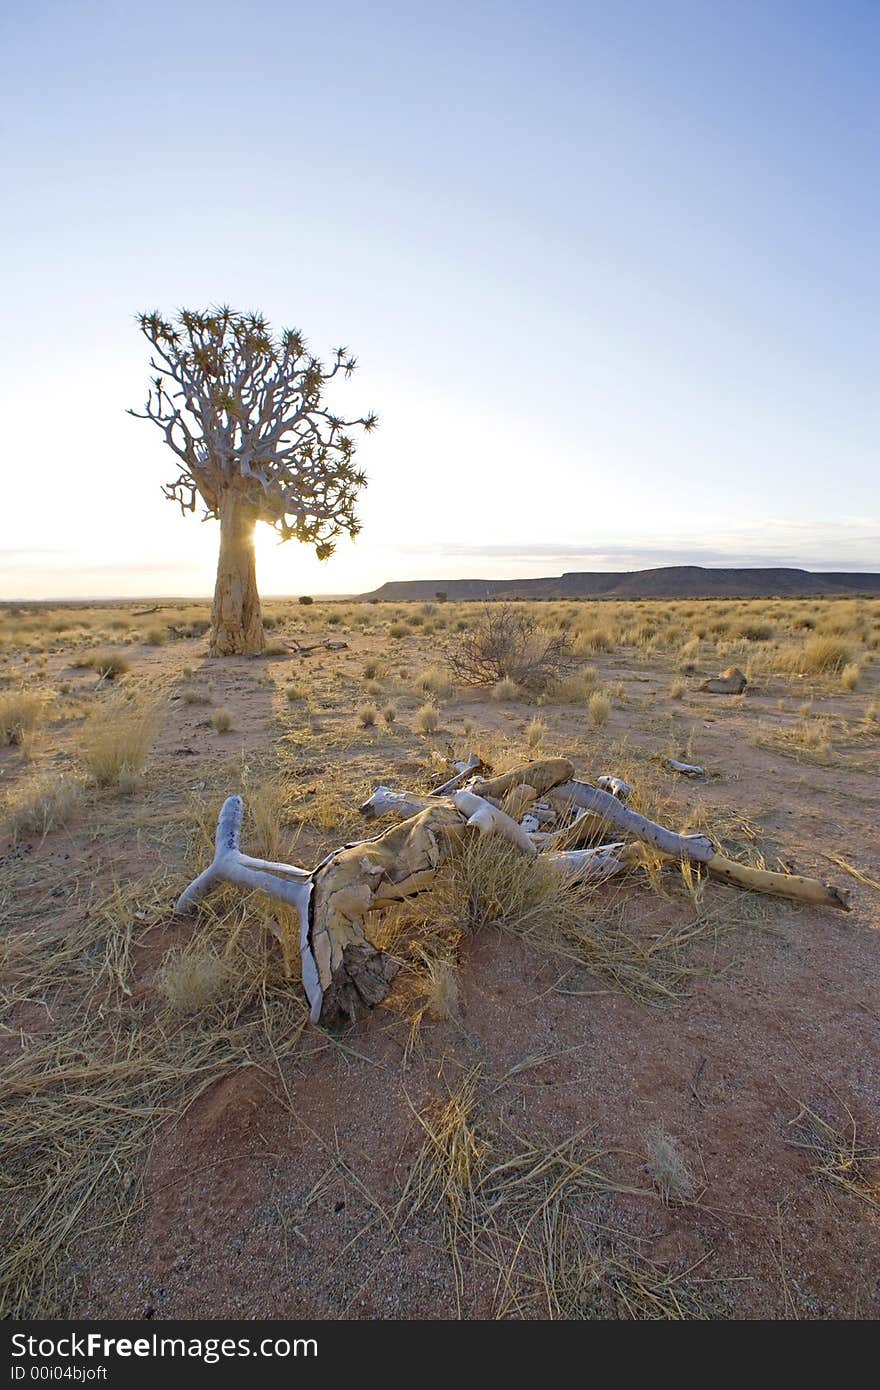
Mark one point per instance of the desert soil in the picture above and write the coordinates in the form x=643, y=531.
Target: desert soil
x=276, y=1192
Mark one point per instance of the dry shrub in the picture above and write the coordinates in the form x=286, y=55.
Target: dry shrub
x=677, y=690
x=20, y=713
x=849, y=676
x=507, y=642
x=389, y=714
x=221, y=720
x=118, y=737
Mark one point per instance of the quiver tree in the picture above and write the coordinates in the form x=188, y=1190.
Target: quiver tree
x=242, y=409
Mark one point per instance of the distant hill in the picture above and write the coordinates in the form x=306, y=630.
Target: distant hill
x=670, y=582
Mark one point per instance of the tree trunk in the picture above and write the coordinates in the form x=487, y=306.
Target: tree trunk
x=236, y=619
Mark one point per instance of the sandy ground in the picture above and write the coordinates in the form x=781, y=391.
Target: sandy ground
x=278, y=1193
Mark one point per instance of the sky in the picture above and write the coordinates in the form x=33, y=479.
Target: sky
x=610, y=271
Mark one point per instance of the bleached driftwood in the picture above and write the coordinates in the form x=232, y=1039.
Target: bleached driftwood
x=616, y=786
x=343, y=972
x=329, y=644
x=463, y=772
x=686, y=769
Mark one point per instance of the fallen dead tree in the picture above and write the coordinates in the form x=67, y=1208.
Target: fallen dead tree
x=534, y=806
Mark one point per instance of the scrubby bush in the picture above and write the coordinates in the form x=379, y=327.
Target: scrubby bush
x=507, y=643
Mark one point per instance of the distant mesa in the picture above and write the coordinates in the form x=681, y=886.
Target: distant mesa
x=669, y=582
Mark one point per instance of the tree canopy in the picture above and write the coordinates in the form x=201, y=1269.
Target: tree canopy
x=243, y=409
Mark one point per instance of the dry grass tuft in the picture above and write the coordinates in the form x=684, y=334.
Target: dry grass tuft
x=850, y=675
x=45, y=803
x=840, y=1158
x=221, y=720
x=426, y=719
x=108, y=664
x=536, y=732
x=491, y=884
x=818, y=656
x=20, y=713
x=194, y=695
x=440, y=986
x=194, y=978
x=78, y=1110
x=118, y=737
x=368, y=716
x=668, y=1168
x=599, y=706
x=535, y=1215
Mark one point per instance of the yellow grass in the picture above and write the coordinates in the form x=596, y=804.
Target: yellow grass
x=118, y=737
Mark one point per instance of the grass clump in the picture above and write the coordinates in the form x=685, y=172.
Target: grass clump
x=427, y=719
x=20, y=713
x=43, y=804
x=194, y=978
x=819, y=656
x=434, y=682
x=221, y=720
x=599, y=706
x=505, y=690
x=107, y=664
x=536, y=732
x=850, y=675
x=368, y=716
x=669, y=1171
x=118, y=737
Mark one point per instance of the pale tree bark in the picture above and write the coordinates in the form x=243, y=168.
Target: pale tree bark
x=236, y=617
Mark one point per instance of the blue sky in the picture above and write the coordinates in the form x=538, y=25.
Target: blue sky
x=610, y=271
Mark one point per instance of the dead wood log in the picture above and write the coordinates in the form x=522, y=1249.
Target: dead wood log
x=616, y=786
x=463, y=772
x=329, y=644
x=686, y=769
x=543, y=775
x=343, y=973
